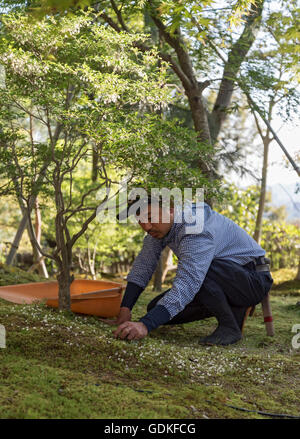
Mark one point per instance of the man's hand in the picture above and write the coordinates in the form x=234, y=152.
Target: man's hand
x=131, y=331
x=124, y=316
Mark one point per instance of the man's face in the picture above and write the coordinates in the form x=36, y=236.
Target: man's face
x=156, y=227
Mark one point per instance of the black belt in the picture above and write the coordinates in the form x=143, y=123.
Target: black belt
x=262, y=264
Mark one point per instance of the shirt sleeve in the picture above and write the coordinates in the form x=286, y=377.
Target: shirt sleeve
x=196, y=252
x=131, y=295
x=145, y=263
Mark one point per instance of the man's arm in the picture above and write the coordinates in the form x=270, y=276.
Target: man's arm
x=195, y=255
x=138, y=278
x=131, y=295
x=142, y=270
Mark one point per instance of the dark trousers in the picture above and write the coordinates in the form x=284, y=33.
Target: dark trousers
x=241, y=286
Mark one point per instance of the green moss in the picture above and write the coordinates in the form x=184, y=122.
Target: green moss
x=10, y=275
x=285, y=282
x=62, y=365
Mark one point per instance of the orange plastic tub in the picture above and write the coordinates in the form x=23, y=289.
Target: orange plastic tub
x=94, y=297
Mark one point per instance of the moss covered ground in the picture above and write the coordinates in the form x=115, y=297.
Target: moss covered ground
x=62, y=365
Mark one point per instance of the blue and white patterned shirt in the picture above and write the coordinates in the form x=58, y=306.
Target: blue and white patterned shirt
x=220, y=238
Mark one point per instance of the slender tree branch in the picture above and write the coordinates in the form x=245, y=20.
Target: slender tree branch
x=83, y=229
x=257, y=125
x=178, y=45
x=119, y=15
x=144, y=48
x=20, y=106
x=80, y=208
x=110, y=21
x=26, y=210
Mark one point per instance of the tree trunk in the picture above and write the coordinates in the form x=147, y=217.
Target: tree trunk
x=232, y=66
x=167, y=263
x=16, y=242
x=262, y=198
x=95, y=157
x=91, y=261
x=64, y=281
x=64, y=277
x=157, y=281
x=187, y=75
x=163, y=266
x=266, y=139
x=199, y=114
x=37, y=257
x=23, y=223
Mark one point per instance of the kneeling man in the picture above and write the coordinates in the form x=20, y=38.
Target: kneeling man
x=221, y=272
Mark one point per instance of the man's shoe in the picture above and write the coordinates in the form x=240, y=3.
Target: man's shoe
x=222, y=336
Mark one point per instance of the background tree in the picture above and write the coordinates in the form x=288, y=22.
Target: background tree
x=90, y=87
x=274, y=84
x=181, y=31
x=175, y=23
x=187, y=35
x=217, y=45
